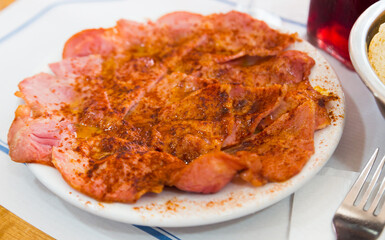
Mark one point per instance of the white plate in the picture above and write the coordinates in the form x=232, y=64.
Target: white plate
x=171, y=208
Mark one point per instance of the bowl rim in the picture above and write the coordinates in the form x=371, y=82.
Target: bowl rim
x=358, y=49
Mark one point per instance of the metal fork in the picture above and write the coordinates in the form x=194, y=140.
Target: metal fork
x=361, y=217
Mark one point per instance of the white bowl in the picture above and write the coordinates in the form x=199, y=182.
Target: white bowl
x=363, y=30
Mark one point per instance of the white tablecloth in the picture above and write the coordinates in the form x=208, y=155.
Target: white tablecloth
x=306, y=214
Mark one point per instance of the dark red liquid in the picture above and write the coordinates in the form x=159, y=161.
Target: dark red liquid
x=329, y=25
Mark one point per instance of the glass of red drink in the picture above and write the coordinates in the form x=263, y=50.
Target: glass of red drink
x=329, y=25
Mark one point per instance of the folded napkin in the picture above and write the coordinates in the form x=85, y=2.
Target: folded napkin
x=315, y=204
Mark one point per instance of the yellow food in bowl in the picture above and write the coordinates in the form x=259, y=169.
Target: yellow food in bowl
x=377, y=53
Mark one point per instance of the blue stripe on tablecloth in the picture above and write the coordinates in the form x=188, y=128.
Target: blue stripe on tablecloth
x=228, y=2
x=293, y=22
x=154, y=232
x=3, y=148
x=167, y=232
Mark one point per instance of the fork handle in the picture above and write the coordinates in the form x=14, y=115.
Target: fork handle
x=352, y=231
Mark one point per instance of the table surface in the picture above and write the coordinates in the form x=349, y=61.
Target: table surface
x=363, y=132
x=13, y=227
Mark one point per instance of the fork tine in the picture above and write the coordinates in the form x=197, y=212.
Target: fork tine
x=381, y=213
x=380, y=192
x=355, y=190
x=378, y=196
x=373, y=182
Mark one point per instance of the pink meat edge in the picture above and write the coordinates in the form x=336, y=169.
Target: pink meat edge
x=209, y=173
x=44, y=92
x=78, y=66
x=31, y=140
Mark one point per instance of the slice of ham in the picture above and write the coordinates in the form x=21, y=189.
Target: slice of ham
x=130, y=81
x=45, y=93
x=234, y=109
x=88, y=42
x=109, y=96
x=31, y=140
x=88, y=66
x=130, y=33
x=112, y=169
x=297, y=95
x=291, y=67
x=236, y=34
x=250, y=106
x=189, y=139
x=254, y=37
x=176, y=53
x=106, y=41
x=37, y=125
x=180, y=24
x=204, y=117
x=208, y=173
x=208, y=104
x=252, y=171
x=169, y=90
x=283, y=148
x=284, y=160
x=287, y=67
